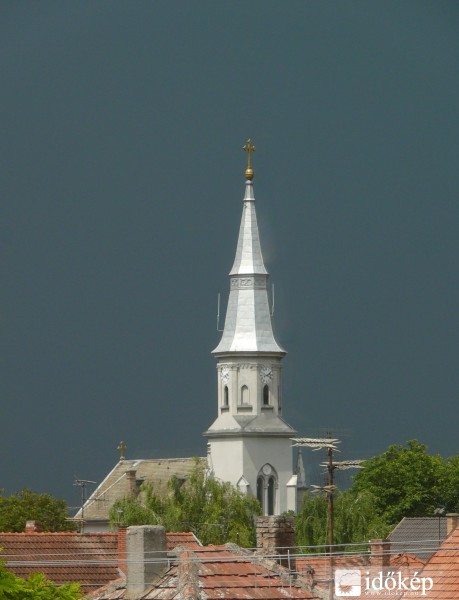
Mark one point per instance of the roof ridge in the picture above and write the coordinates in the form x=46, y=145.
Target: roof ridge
x=58, y=533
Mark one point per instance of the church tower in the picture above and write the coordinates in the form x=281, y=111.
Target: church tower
x=249, y=443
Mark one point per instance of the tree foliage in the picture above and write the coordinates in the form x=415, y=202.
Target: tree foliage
x=355, y=519
x=23, y=506
x=407, y=481
x=449, y=485
x=215, y=511
x=404, y=481
x=35, y=587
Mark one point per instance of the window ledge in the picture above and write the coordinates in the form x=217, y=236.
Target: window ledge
x=244, y=408
x=267, y=407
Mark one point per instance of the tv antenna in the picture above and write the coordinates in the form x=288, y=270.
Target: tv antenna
x=82, y=483
x=330, y=444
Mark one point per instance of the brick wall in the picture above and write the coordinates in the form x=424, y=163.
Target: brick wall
x=122, y=549
x=276, y=535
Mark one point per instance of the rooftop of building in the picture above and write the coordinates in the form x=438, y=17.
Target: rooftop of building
x=443, y=569
x=210, y=572
x=133, y=472
x=91, y=559
x=419, y=535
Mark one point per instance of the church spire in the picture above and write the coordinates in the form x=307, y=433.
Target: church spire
x=249, y=441
x=248, y=326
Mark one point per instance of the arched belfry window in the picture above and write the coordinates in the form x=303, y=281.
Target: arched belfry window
x=245, y=398
x=225, y=396
x=267, y=489
x=265, y=395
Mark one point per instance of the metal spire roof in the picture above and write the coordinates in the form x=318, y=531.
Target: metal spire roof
x=248, y=326
x=301, y=482
x=248, y=259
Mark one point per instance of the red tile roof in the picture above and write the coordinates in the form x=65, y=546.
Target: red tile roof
x=184, y=539
x=443, y=569
x=404, y=559
x=91, y=559
x=315, y=570
x=218, y=572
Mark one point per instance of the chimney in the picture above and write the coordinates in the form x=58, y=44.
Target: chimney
x=276, y=535
x=132, y=483
x=379, y=554
x=188, y=576
x=146, y=557
x=121, y=539
x=452, y=520
x=33, y=527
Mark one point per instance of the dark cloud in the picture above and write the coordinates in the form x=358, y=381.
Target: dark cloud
x=122, y=181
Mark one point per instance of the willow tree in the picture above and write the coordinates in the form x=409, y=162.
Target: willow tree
x=355, y=520
x=216, y=511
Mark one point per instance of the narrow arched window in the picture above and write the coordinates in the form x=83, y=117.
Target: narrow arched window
x=265, y=395
x=260, y=486
x=271, y=494
x=225, y=396
x=245, y=399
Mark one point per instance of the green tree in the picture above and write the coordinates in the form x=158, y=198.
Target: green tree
x=449, y=484
x=406, y=481
x=215, y=511
x=358, y=519
x=355, y=519
x=35, y=587
x=311, y=522
x=18, y=508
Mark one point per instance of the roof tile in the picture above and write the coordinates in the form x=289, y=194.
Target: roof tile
x=443, y=569
x=224, y=574
x=90, y=559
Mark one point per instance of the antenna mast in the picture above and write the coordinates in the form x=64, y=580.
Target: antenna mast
x=330, y=444
x=82, y=483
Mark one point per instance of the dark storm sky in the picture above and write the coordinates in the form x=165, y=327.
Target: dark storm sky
x=121, y=185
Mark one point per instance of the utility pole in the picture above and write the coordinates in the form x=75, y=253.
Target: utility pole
x=330, y=444
x=330, y=516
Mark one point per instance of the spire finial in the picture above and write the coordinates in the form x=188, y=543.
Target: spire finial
x=249, y=148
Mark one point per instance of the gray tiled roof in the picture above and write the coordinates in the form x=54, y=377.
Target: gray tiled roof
x=418, y=535
x=116, y=485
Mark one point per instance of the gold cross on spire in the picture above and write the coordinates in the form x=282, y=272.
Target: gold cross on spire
x=122, y=449
x=249, y=148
